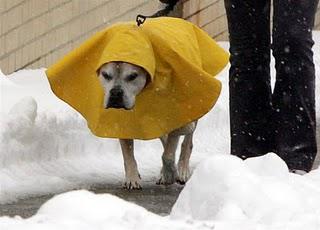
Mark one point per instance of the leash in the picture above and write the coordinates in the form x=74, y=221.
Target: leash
x=140, y=19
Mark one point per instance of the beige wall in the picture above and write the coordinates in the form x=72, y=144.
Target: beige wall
x=210, y=15
x=35, y=33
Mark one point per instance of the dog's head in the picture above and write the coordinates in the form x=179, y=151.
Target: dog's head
x=121, y=82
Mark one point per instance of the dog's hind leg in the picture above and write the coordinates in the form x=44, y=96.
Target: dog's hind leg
x=130, y=165
x=164, y=140
x=183, y=164
x=169, y=171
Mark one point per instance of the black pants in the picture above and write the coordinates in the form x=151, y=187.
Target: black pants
x=283, y=121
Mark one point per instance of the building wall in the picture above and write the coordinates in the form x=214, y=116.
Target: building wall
x=36, y=33
x=211, y=16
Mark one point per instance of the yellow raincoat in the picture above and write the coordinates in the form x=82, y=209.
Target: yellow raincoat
x=181, y=59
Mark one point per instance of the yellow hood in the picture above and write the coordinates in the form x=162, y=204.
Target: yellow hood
x=181, y=59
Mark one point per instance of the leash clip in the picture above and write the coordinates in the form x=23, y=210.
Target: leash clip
x=140, y=19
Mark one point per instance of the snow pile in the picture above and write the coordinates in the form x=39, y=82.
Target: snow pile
x=258, y=192
x=45, y=151
x=28, y=83
x=82, y=210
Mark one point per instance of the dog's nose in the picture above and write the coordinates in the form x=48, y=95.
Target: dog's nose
x=116, y=99
x=116, y=92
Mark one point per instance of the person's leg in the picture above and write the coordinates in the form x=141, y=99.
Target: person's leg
x=249, y=83
x=294, y=93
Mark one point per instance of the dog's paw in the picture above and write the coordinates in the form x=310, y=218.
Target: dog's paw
x=168, y=173
x=133, y=182
x=183, y=174
x=167, y=179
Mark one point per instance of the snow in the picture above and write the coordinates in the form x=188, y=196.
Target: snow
x=46, y=148
x=82, y=210
x=257, y=191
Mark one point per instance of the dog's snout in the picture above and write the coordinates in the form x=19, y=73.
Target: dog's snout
x=116, y=98
x=116, y=92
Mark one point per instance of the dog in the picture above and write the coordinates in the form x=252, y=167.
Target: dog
x=121, y=83
x=168, y=64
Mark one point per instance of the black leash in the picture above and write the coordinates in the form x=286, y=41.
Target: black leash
x=140, y=19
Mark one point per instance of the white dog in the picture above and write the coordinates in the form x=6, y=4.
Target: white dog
x=122, y=82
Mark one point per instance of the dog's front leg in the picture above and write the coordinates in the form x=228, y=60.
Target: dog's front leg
x=169, y=171
x=183, y=164
x=130, y=165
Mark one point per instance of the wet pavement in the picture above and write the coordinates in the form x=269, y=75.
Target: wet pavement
x=155, y=198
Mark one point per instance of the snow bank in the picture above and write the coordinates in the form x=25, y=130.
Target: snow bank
x=28, y=83
x=256, y=192
x=82, y=210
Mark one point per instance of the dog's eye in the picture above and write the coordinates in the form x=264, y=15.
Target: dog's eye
x=132, y=77
x=106, y=76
